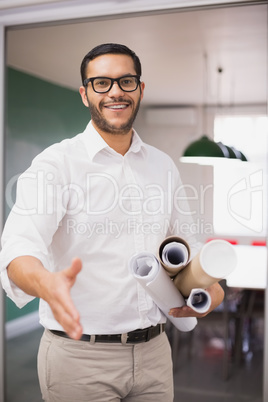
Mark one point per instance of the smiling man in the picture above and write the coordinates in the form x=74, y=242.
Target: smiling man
x=112, y=91
x=104, y=337
x=113, y=108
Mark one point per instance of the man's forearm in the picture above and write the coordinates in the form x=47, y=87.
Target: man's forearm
x=217, y=295
x=29, y=274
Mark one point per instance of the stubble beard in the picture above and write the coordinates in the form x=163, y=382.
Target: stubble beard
x=105, y=126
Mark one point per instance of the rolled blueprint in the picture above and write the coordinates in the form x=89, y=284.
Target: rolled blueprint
x=215, y=261
x=174, y=254
x=148, y=271
x=199, y=300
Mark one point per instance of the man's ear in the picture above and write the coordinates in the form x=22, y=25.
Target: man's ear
x=142, y=86
x=82, y=91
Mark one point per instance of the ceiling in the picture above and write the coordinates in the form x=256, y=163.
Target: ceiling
x=180, y=52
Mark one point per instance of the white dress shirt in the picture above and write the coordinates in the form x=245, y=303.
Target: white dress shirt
x=80, y=198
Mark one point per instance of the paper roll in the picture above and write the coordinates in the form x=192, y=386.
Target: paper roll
x=148, y=271
x=174, y=254
x=216, y=260
x=199, y=300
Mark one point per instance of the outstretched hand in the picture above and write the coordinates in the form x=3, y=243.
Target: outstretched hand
x=59, y=298
x=29, y=274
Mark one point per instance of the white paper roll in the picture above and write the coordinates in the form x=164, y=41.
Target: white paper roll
x=174, y=254
x=148, y=271
x=199, y=300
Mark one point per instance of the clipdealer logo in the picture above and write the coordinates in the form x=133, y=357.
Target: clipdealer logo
x=49, y=196
x=136, y=226
x=246, y=201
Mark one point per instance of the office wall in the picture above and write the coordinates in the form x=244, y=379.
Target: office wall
x=38, y=113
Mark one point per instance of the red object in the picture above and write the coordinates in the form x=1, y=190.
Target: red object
x=258, y=243
x=229, y=240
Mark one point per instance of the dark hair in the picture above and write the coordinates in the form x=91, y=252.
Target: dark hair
x=109, y=48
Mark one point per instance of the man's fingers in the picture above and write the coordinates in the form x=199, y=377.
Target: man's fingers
x=184, y=312
x=66, y=313
x=62, y=304
x=72, y=327
x=65, y=303
x=74, y=269
x=177, y=311
x=60, y=299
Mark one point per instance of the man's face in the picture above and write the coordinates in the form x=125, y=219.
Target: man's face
x=112, y=112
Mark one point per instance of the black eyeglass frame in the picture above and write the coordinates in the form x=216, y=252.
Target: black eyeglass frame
x=87, y=80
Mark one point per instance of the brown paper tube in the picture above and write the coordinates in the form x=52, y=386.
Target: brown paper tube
x=216, y=260
x=178, y=258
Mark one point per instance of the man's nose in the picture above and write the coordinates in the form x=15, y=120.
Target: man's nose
x=115, y=91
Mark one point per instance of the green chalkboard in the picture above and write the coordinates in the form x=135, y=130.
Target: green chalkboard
x=39, y=113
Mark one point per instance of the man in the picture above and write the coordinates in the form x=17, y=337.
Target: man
x=83, y=208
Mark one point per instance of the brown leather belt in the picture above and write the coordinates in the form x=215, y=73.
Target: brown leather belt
x=137, y=336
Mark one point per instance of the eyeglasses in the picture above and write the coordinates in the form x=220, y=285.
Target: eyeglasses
x=101, y=85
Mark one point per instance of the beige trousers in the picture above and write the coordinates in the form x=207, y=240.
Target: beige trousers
x=76, y=371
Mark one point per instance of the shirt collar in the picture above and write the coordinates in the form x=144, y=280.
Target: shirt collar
x=95, y=143
x=137, y=145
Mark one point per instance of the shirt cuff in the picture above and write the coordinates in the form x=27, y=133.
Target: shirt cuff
x=17, y=295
